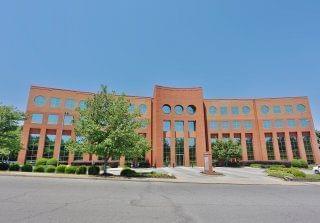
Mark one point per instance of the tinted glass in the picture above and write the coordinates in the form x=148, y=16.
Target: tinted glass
x=265, y=109
x=40, y=100
x=143, y=109
x=37, y=118
x=212, y=110
x=55, y=102
x=166, y=109
x=246, y=110
x=178, y=109
x=68, y=120
x=191, y=109
x=70, y=104
x=53, y=119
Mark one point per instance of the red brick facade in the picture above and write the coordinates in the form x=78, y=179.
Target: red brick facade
x=268, y=129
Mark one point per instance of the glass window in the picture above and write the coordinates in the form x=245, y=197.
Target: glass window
x=178, y=109
x=55, y=102
x=179, y=151
x=276, y=109
x=236, y=124
x=53, y=119
x=235, y=110
x=248, y=125
x=308, y=147
x=192, y=151
x=178, y=126
x=289, y=109
x=292, y=123
x=131, y=108
x=166, y=151
x=49, y=146
x=282, y=146
x=225, y=124
x=269, y=146
x=191, y=109
x=192, y=126
x=40, y=100
x=294, y=145
x=32, y=148
x=304, y=122
x=166, y=126
x=301, y=108
x=224, y=110
x=64, y=153
x=267, y=124
x=214, y=125
x=249, y=146
x=144, y=123
x=265, y=109
x=143, y=109
x=68, y=119
x=246, y=110
x=37, y=118
x=69, y=103
x=82, y=105
x=212, y=110
x=166, y=109
x=278, y=123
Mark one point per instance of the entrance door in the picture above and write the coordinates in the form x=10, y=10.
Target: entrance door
x=179, y=151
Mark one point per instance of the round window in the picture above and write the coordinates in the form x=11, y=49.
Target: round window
x=265, y=109
x=212, y=110
x=70, y=103
x=166, y=109
x=301, y=108
x=246, y=110
x=143, y=109
x=82, y=105
x=191, y=109
x=178, y=109
x=40, y=100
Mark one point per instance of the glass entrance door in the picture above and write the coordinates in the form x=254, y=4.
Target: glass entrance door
x=179, y=151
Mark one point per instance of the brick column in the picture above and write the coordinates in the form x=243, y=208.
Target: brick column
x=315, y=147
x=302, y=150
x=24, y=139
x=57, y=143
x=288, y=146
x=244, y=147
x=276, y=146
x=41, y=142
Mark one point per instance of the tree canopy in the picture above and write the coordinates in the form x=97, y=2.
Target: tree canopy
x=108, y=129
x=318, y=136
x=224, y=151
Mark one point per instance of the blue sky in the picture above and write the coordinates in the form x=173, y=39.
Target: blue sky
x=239, y=48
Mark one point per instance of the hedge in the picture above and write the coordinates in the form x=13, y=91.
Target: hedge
x=71, y=169
x=41, y=162
x=61, y=169
x=127, y=172
x=81, y=170
x=50, y=169
x=52, y=162
x=94, y=170
x=4, y=166
x=26, y=168
x=299, y=163
x=39, y=169
x=14, y=167
x=266, y=163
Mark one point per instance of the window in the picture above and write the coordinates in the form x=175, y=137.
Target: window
x=55, y=102
x=235, y=110
x=214, y=125
x=246, y=110
x=247, y=125
x=304, y=122
x=225, y=125
x=236, y=124
x=166, y=109
x=178, y=126
x=265, y=109
x=40, y=100
x=37, y=118
x=143, y=109
x=166, y=152
x=249, y=146
x=32, y=148
x=269, y=146
x=292, y=123
x=282, y=146
x=53, y=119
x=166, y=126
x=69, y=103
x=308, y=147
x=278, y=123
x=214, y=138
x=237, y=138
x=212, y=110
x=294, y=145
x=64, y=153
x=192, y=126
x=289, y=109
x=68, y=119
x=82, y=105
x=192, y=151
x=178, y=109
x=49, y=145
x=225, y=136
x=191, y=109
x=267, y=124
x=301, y=108
x=78, y=156
x=179, y=151
x=224, y=110
x=131, y=108
x=144, y=123
x=276, y=109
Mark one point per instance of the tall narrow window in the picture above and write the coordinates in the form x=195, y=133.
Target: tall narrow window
x=49, y=144
x=192, y=151
x=192, y=126
x=269, y=146
x=179, y=151
x=33, y=145
x=249, y=145
x=294, y=145
x=166, y=151
x=178, y=125
x=64, y=153
x=282, y=146
x=166, y=126
x=308, y=147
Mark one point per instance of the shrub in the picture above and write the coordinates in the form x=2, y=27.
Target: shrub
x=50, y=169
x=276, y=167
x=4, y=166
x=127, y=172
x=14, y=167
x=255, y=165
x=41, y=162
x=299, y=163
x=52, y=162
x=296, y=172
x=93, y=170
x=71, y=169
x=26, y=168
x=282, y=172
x=266, y=162
x=61, y=169
x=39, y=169
x=279, y=174
x=81, y=170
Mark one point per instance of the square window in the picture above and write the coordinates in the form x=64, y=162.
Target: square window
x=236, y=124
x=278, y=124
x=178, y=125
x=267, y=124
x=53, y=119
x=225, y=124
x=276, y=109
x=292, y=123
x=304, y=122
x=214, y=125
x=166, y=126
x=248, y=125
x=192, y=126
x=55, y=102
x=68, y=119
x=37, y=118
x=235, y=110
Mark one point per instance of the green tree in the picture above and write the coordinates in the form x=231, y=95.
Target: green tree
x=10, y=131
x=318, y=136
x=225, y=151
x=108, y=129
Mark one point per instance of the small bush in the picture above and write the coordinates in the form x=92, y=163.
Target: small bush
x=71, y=169
x=279, y=174
x=50, y=169
x=93, y=170
x=127, y=172
x=255, y=165
x=276, y=167
x=52, y=162
x=26, y=168
x=296, y=172
x=39, y=169
x=14, y=167
x=299, y=163
x=41, y=162
x=282, y=172
x=61, y=169
x=81, y=170
x=266, y=162
x=4, y=166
